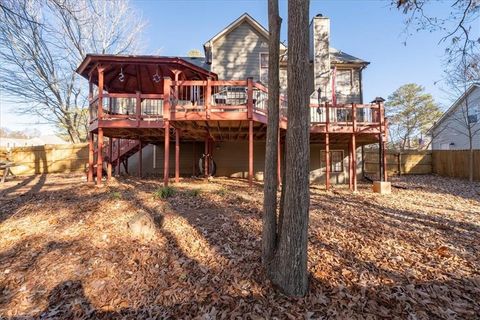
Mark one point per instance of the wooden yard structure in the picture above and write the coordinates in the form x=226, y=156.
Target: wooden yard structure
x=140, y=100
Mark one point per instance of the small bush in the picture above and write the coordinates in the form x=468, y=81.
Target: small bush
x=116, y=195
x=194, y=192
x=222, y=192
x=164, y=192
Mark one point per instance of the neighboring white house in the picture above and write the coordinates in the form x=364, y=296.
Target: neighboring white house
x=37, y=141
x=450, y=132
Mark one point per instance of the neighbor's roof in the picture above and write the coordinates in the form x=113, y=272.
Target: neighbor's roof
x=455, y=105
x=243, y=18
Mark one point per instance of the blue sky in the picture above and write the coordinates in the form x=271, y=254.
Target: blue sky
x=371, y=30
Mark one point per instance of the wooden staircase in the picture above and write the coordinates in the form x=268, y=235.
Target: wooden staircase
x=122, y=149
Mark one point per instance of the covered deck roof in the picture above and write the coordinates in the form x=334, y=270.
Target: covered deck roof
x=144, y=73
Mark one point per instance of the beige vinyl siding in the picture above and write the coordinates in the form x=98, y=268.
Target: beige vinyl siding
x=236, y=56
x=153, y=164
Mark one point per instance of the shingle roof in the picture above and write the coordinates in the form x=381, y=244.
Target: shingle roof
x=342, y=57
x=198, y=61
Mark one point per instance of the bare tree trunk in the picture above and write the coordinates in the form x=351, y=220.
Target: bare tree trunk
x=271, y=153
x=289, y=266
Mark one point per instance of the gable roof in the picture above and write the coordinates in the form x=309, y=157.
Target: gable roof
x=243, y=18
x=337, y=56
x=455, y=105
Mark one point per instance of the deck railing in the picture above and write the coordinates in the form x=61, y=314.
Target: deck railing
x=209, y=97
x=116, y=106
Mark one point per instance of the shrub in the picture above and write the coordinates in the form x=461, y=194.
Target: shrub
x=222, y=192
x=194, y=192
x=116, y=195
x=164, y=192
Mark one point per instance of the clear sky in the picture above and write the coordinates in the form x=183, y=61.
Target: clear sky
x=371, y=30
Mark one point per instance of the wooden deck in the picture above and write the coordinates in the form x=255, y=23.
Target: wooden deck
x=220, y=109
x=160, y=99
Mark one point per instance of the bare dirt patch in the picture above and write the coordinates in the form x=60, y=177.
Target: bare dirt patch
x=66, y=251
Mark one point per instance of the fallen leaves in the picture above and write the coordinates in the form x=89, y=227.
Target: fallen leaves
x=66, y=252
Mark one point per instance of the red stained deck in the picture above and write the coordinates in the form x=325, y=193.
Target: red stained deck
x=144, y=98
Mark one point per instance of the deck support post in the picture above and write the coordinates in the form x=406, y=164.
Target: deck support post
x=354, y=163
x=250, y=153
x=99, y=156
x=363, y=161
x=167, y=86
x=177, y=155
x=206, y=162
x=350, y=165
x=118, y=156
x=140, y=158
x=166, y=154
x=381, y=146
x=90, y=157
x=109, y=163
x=384, y=161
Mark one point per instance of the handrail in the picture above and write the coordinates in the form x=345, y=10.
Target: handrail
x=208, y=97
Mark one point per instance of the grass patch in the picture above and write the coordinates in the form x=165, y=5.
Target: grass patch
x=193, y=192
x=221, y=192
x=164, y=192
x=116, y=195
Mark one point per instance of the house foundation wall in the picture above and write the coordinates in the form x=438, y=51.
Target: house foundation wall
x=231, y=159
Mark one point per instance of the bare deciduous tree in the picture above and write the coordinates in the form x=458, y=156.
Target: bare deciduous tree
x=289, y=265
x=41, y=44
x=459, y=26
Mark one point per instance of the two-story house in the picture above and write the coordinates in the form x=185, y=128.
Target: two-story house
x=212, y=111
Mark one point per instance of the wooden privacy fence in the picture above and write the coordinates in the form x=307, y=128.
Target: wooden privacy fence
x=455, y=163
x=47, y=159
x=407, y=162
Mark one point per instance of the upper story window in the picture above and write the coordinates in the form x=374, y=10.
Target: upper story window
x=344, y=83
x=264, y=68
x=473, y=114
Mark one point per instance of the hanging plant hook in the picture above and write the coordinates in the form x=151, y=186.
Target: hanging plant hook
x=156, y=77
x=121, y=76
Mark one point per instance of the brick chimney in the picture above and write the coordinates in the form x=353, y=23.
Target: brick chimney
x=320, y=57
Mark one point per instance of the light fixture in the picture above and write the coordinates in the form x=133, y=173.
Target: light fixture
x=121, y=76
x=156, y=77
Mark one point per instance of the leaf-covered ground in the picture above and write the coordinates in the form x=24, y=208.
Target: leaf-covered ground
x=66, y=252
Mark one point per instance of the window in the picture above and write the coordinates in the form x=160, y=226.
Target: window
x=474, y=114
x=264, y=68
x=344, y=85
x=336, y=160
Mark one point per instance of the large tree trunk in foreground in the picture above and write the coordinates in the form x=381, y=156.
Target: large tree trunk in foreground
x=271, y=153
x=289, y=266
